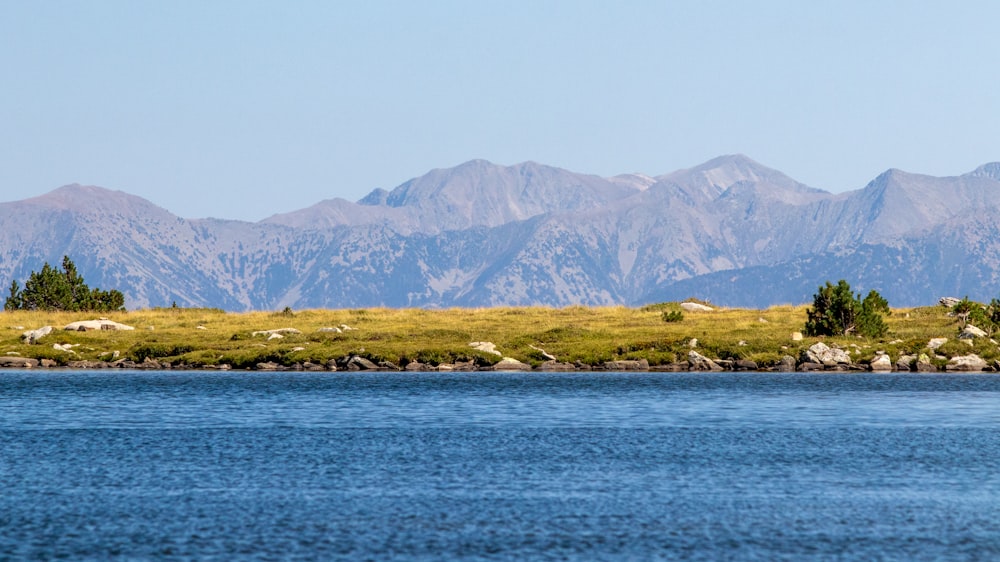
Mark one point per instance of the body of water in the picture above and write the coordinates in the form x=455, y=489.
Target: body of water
x=499, y=466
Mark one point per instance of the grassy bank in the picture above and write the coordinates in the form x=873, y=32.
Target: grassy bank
x=588, y=335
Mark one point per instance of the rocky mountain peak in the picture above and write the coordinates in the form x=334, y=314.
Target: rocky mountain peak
x=94, y=200
x=482, y=234
x=991, y=170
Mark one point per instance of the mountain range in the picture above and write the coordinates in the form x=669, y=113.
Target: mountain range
x=729, y=231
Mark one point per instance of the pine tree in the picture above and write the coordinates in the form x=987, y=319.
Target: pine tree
x=51, y=289
x=837, y=311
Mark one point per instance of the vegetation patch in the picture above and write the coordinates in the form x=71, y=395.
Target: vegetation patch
x=585, y=335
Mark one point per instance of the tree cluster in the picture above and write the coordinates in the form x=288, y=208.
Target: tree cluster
x=985, y=317
x=54, y=289
x=838, y=311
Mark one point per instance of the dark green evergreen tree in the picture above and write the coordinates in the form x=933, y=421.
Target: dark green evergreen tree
x=13, y=302
x=837, y=311
x=51, y=289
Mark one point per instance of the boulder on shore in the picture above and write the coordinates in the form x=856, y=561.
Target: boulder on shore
x=627, y=365
x=971, y=362
x=698, y=362
x=881, y=363
x=511, y=364
x=906, y=362
x=358, y=363
x=786, y=365
x=924, y=364
x=18, y=362
x=826, y=355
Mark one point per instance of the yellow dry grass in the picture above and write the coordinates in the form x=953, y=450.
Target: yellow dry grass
x=590, y=335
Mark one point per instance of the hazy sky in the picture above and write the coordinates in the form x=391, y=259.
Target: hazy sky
x=242, y=109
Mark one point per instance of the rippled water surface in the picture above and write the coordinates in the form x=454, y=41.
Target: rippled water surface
x=480, y=466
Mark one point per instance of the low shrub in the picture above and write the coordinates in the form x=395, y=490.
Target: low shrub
x=152, y=350
x=672, y=316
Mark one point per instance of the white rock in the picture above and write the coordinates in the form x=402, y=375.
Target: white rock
x=65, y=347
x=971, y=331
x=699, y=362
x=485, y=346
x=881, y=362
x=822, y=353
x=331, y=329
x=101, y=324
x=544, y=354
x=279, y=331
x=275, y=336
x=970, y=362
x=32, y=336
x=935, y=343
x=695, y=307
x=796, y=336
x=511, y=364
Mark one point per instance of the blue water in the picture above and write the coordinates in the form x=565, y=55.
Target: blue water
x=483, y=466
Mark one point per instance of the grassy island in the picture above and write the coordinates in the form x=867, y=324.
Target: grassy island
x=655, y=337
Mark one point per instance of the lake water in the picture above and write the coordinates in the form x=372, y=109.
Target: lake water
x=499, y=466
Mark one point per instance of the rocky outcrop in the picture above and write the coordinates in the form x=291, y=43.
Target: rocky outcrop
x=695, y=307
x=358, y=363
x=627, y=365
x=825, y=355
x=699, y=362
x=510, y=364
x=924, y=364
x=557, y=366
x=32, y=336
x=745, y=365
x=99, y=324
x=971, y=332
x=906, y=362
x=882, y=363
x=935, y=343
x=971, y=362
x=13, y=362
x=786, y=364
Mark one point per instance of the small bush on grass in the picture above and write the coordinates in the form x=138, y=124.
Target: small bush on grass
x=152, y=350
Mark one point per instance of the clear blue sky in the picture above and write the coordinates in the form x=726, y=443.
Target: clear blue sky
x=241, y=109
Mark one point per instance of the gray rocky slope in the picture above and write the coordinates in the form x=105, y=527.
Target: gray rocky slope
x=730, y=230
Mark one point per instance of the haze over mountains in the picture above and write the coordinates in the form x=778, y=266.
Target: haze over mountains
x=730, y=231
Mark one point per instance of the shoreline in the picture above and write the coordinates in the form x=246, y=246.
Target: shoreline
x=530, y=339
